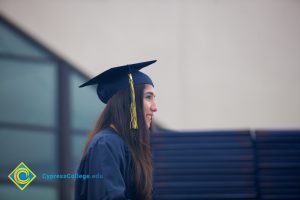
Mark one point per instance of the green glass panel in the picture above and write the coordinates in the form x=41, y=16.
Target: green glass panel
x=78, y=142
x=12, y=192
x=13, y=43
x=36, y=149
x=28, y=92
x=85, y=105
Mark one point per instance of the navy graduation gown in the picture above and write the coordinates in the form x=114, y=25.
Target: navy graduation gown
x=108, y=156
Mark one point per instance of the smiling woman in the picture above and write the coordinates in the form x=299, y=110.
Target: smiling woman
x=149, y=104
x=119, y=147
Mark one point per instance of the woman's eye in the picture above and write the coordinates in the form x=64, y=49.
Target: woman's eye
x=148, y=97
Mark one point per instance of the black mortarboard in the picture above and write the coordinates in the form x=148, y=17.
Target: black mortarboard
x=118, y=78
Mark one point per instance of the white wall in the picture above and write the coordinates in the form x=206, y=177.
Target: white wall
x=221, y=64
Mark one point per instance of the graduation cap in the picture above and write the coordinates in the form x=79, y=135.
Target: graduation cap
x=118, y=78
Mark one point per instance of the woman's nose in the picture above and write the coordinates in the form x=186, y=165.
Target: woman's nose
x=153, y=107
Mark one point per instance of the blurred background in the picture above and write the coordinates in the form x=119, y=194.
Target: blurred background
x=221, y=65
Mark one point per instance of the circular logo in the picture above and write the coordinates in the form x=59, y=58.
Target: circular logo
x=21, y=176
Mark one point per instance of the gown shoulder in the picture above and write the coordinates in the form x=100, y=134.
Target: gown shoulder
x=108, y=159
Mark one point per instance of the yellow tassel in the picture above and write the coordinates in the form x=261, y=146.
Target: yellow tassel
x=133, y=115
x=113, y=127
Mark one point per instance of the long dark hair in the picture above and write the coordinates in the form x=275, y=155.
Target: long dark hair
x=117, y=112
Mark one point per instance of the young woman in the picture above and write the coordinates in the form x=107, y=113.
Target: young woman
x=118, y=150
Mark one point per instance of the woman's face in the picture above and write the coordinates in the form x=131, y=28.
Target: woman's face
x=149, y=104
